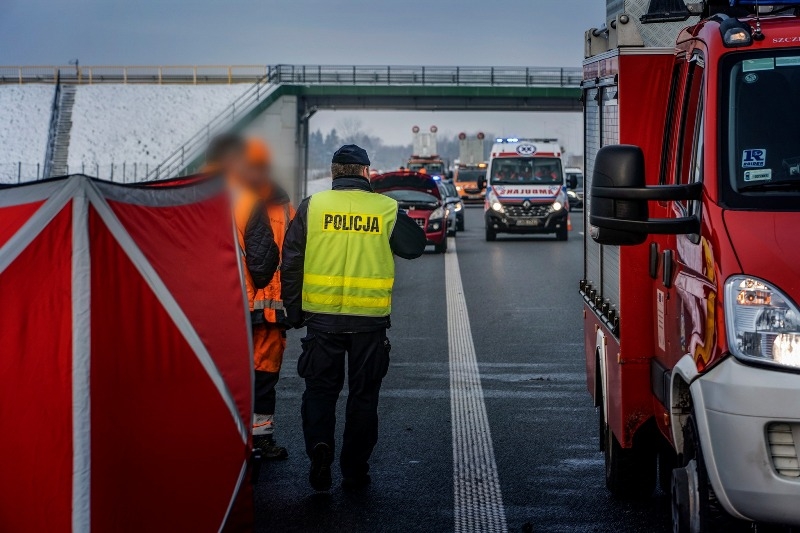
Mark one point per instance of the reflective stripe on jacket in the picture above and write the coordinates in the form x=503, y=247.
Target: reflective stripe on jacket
x=349, y=266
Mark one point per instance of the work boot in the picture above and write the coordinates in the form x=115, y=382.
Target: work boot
x=356, y=483
x=270, y=451
x=320, y=474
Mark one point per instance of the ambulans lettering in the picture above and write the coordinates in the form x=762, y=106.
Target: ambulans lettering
x=754, y=158
x=353, y=223
x=526, y=191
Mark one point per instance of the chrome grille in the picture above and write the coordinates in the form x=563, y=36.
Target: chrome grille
x=783, y=450
x=535, y=210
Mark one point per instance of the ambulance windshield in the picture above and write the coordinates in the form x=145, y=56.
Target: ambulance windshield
x=763, y=137
x=516, y=170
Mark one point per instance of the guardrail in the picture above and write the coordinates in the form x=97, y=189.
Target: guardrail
x=297, y=74
x=159, y=75
x=427, y=75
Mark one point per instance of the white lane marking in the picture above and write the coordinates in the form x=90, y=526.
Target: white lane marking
x=478, y=503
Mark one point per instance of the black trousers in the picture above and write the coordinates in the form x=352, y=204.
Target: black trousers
x=322, y=364
x=264, y=393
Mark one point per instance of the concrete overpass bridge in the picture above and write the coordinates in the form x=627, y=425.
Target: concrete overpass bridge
x=280, y=105
x=283, y=98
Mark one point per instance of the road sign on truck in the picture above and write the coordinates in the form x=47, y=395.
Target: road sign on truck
x=690, y=284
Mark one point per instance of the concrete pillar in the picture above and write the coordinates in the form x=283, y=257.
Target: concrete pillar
x=279, y=125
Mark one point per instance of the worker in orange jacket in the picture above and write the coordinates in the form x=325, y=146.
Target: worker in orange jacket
x=258, y=188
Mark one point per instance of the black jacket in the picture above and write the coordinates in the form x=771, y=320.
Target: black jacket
x=407, y=241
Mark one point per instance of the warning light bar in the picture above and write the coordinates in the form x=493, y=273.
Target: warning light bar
x=764, y=3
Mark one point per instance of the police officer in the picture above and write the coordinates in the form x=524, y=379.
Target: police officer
x=337, y=274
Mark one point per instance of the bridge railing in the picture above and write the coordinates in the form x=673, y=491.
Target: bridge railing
x=425, y=75
x=89, y=75
x=194, y=147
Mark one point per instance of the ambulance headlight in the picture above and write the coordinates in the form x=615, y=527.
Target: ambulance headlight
x=437, y=214
x=763, y=323
x=557, y=206
x=494, y=202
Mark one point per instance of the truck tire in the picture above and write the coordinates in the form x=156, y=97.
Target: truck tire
x=491, y=236
x=562, y=234
x=441, y=247
x=690, y=483
x=630, y=472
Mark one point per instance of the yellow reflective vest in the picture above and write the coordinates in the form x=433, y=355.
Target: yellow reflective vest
x=349, y=266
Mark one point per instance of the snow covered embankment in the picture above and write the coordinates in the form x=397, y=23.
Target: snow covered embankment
x=24, y=126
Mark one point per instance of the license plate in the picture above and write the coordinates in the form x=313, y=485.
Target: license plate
x=528, y=222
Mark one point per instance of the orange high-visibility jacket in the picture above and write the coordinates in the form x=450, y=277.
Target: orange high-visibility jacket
x=280, y=212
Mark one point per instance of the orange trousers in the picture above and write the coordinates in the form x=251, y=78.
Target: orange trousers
x=269, y=343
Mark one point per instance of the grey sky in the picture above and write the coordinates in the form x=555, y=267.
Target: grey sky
x=409, y=32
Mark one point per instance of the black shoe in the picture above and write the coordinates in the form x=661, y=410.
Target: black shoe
x=270, y=451
x=320, y=474
x=356, y=483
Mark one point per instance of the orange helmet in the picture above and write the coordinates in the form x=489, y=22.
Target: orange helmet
x=257, y=152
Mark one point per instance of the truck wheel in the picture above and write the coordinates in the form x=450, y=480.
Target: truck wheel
x=562, y=234
x=441, y=247
x=630, y=472
x=491, y=236
x=695, y=507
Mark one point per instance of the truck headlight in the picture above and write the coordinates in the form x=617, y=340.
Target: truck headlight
x=763, y=323
x=437, y=214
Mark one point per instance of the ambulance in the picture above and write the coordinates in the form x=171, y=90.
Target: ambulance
x=525, y=188
x=691, y=275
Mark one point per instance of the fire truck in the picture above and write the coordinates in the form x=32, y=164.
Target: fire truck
x=692, y=159
x=425, y=157
x=470, y=168
x=525, y=188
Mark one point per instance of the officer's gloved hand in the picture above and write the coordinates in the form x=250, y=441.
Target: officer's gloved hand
x=294, y=318
x=282, y=320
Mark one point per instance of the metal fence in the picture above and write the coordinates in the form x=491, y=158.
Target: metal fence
x=159, y=75
x=298, y=74
x=428, y=75
x=19, y=172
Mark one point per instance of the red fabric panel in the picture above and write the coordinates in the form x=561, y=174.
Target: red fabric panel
x=13, y=217
x=166, y=454
x=200, y=268
x=36, y=383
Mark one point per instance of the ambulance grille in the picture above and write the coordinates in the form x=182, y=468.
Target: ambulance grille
x=534, y=210
x=783, y=450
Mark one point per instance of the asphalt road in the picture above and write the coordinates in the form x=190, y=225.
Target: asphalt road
x=525, y=313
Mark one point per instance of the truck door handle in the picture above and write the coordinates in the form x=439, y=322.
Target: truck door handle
x=668, y=266
x=653, y=260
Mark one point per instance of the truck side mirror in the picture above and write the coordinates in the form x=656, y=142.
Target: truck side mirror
x=618, y=210
x=450, y=175
x=617, y=167
x=572, y=181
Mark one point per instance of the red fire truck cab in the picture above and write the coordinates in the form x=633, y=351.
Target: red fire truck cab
x=693, y=174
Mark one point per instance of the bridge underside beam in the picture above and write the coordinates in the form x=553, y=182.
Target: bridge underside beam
x=444, y=103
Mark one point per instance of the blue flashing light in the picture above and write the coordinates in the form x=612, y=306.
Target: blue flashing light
x=437, y=178
x=498, y=140
x=735, y=3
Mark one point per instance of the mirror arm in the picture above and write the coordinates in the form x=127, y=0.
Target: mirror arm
x=676, y=193
x=658, y=226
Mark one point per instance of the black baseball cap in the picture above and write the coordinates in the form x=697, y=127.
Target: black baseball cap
x=350, y=154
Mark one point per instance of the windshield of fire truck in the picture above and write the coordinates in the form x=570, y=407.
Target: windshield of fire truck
x=515, y=170
x=434, y=169
x=762, y=130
